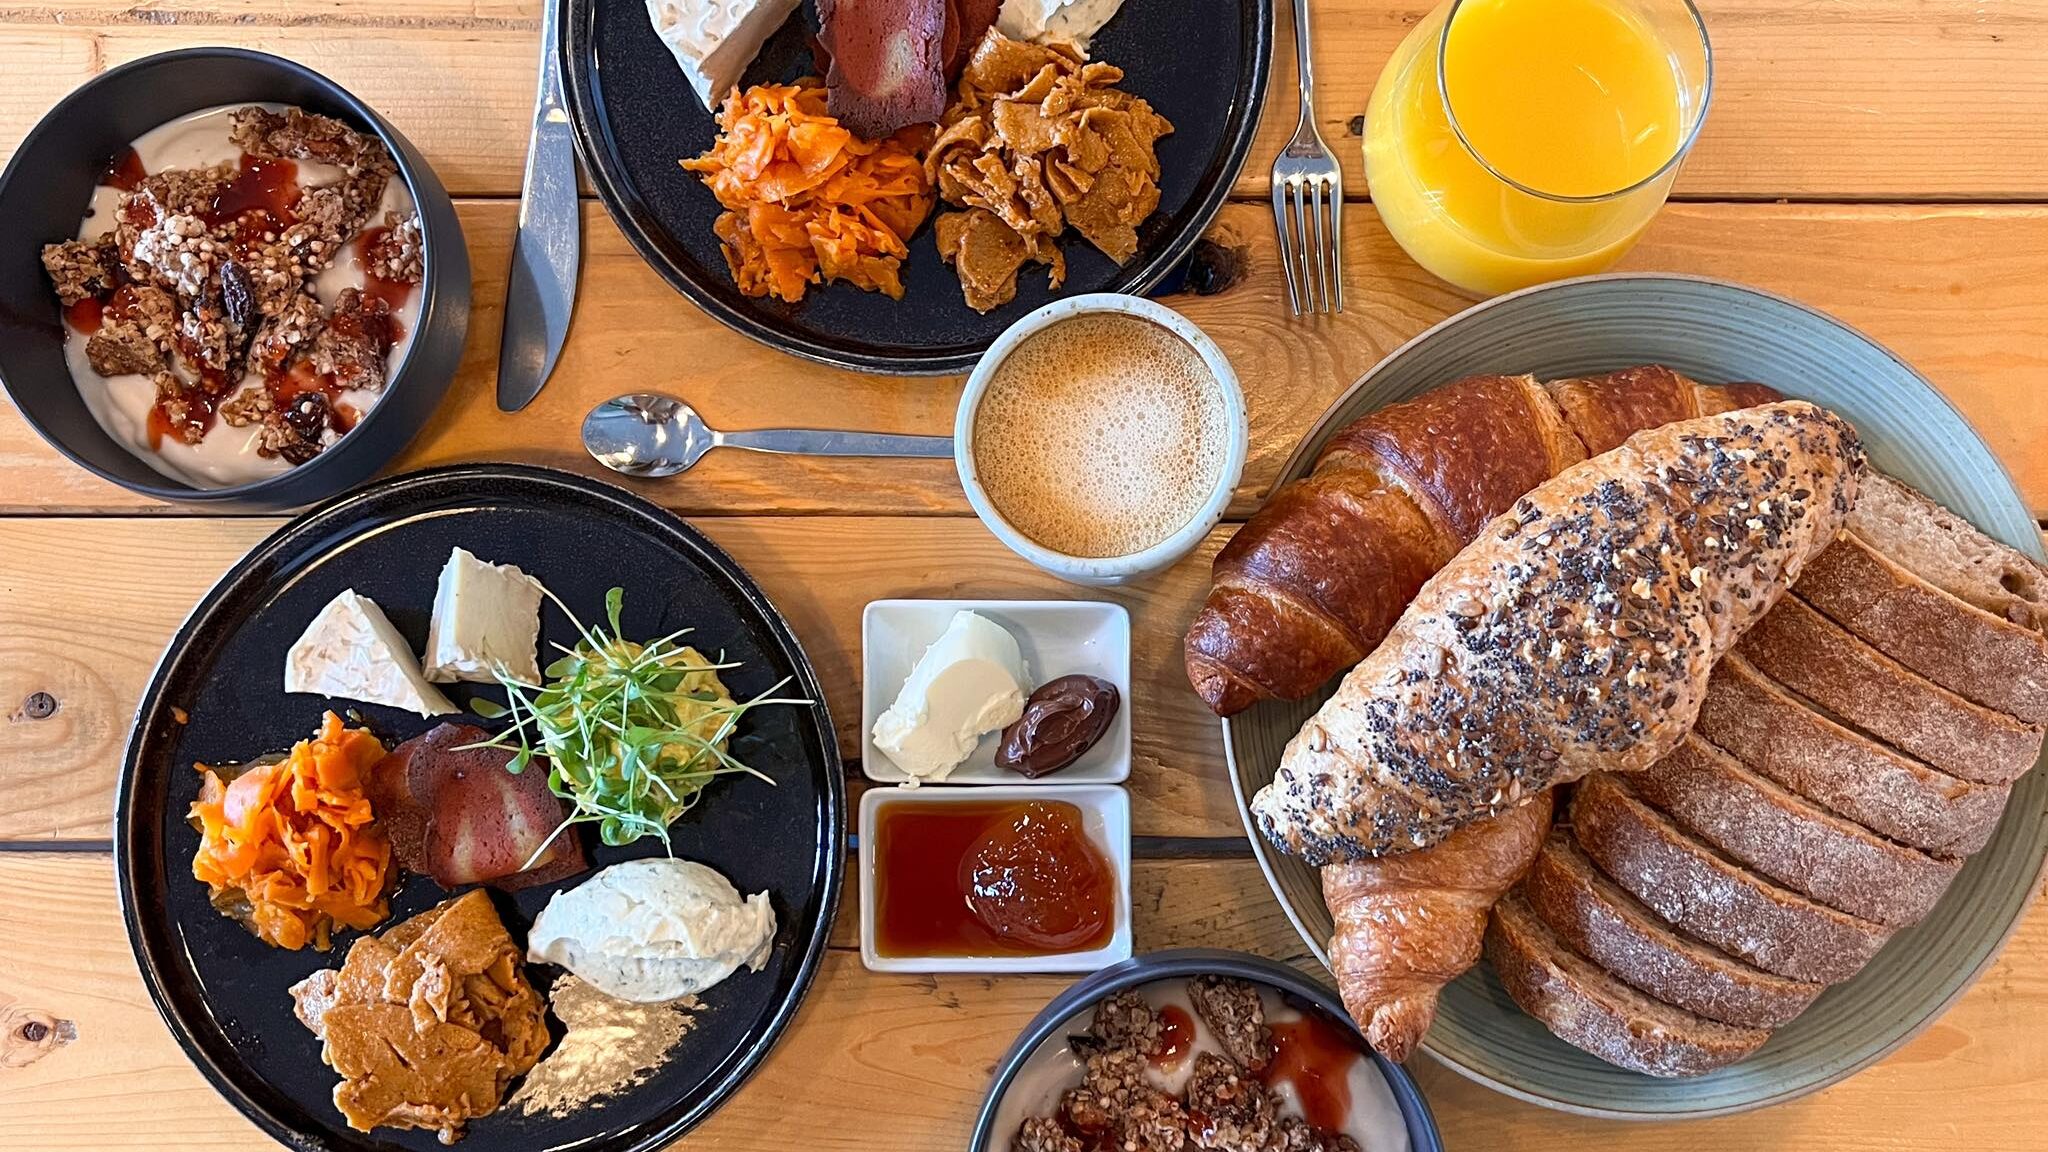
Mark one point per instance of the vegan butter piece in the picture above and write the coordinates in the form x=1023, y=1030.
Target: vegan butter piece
x=970, y=682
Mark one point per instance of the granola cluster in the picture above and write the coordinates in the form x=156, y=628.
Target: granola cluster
x=198, y=288
x=1225, y=1107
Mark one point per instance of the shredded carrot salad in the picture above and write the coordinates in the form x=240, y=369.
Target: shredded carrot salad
x=808, y=201
x=294, y=839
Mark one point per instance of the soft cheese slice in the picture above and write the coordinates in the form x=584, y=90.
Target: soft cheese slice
x=352, y=652
x=970, y=682
x=715, y=40
x=1047, y=20
x=486, y=616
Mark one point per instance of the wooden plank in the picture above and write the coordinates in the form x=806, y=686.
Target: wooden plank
x=88, y=635
x=1938, y=99
x=1954, y=290
x=902, y=1061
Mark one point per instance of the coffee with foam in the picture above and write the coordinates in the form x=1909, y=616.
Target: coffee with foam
x=1101, y=435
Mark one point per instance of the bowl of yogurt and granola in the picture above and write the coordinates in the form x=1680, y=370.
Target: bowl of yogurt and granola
x=232, y=282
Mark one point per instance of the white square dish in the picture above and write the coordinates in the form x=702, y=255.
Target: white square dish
x=1106, y=817
x=1056, y=637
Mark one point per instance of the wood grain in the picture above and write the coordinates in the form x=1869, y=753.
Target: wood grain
x=901, y=1061
x=1954, y=290
x=1937, y=99
x=58, y=773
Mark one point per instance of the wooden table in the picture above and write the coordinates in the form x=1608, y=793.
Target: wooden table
x=1881, y=159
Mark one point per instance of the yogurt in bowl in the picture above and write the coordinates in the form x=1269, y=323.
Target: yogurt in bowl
x=240, y=291
x=1207, y=1038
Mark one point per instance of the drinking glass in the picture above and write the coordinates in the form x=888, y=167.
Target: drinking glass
x=1511, y=142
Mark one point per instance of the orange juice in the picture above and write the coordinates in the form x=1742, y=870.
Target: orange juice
x=1571, y=113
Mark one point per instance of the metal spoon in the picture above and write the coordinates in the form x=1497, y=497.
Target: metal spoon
x=653, y=434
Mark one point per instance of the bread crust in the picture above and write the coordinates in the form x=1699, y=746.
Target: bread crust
x=1712, y=898
x=1857, y=684
x=1591, y=1010
x=1606, y=925
x=1799, y=844
x=1767, y=727
x=1986, y=659
x=1575, y=635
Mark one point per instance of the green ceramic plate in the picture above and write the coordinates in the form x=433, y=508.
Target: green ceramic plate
x=1714, y=332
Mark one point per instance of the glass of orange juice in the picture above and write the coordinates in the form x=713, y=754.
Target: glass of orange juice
x=1510, y=142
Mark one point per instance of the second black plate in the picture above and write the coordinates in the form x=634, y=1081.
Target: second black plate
x=218, y=697
x=1201, y=63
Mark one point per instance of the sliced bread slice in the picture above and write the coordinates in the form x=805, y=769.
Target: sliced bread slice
x=1712, y=898
x=1857, y=684
x=1981, y=657
x=1794, y=841
x=1612, y=929
x=1773, y=731
x=1949, y=552
x=1591, y=1010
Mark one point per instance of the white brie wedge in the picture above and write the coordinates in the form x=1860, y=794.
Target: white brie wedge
x=351, y=651
x=714, y=40
x=486, y=617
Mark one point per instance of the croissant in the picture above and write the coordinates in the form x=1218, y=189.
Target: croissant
x=1409, y=924
x=1316, y=578
x=1574, y=636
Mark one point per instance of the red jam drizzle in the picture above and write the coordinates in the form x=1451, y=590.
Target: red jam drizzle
x=125, y=171
x=1176, y=1037
x=260, y=185
x=84, y=316
x=989, y=878
x=1315, y=1056
x=394, y=293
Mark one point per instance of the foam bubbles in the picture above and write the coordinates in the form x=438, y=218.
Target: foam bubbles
x=1101, y=435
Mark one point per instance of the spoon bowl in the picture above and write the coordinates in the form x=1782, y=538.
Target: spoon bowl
x=646, y=434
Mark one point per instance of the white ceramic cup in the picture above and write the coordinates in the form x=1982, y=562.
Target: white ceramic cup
x=1102, y=570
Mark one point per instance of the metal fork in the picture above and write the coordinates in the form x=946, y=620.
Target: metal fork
x=1308, y=198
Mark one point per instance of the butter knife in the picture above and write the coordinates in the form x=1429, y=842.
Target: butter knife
x=540, y=289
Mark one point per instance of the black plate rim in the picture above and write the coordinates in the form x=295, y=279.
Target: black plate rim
x=831, y=883
x=573, y=53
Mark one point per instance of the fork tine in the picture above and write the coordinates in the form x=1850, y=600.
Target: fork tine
x=1322, y=257
x=1301, y=252
x=1337, y=241
x=1285, y=236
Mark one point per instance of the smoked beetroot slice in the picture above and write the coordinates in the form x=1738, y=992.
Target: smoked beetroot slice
x=457, y=815
x=888, y=66
x=967, y=21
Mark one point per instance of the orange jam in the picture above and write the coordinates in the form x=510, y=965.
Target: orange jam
x=989, y=878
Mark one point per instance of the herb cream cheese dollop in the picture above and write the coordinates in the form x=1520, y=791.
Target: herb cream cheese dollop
x=654, y=930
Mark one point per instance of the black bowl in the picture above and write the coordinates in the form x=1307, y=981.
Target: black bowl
x=1057, y=1019
x=44, y=192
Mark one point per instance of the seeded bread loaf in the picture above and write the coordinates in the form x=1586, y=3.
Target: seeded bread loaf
x=1857, y=684
x=1317, y=576
x=1949, y=552
x=1773, y=731
x=1706, y=895
x=1794, y=841
x=1593, y=1011
x=1613, y=929
x=1983, y=658
x=1575, y=635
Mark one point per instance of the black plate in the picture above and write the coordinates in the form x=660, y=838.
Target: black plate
x=1201, y=63
x=223, y=992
